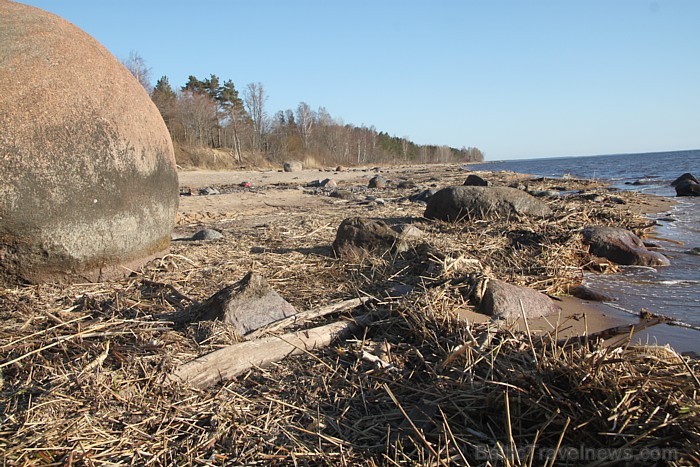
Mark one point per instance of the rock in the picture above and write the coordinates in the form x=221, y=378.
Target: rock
x=342, y=194
x=685, y=176
x=586, y=293
x=377, y=182
x=687, y=188
x=475, y=180
x=694, y=251
x=292, y=166
x=546, y=194
x=621, y=246
x=406, y=184
x=502, y=300
x=460, y=202
x=329, y=183
x=185, y=191
x=340, y=168
x=89, y=183
x=357, y=236
x=247, y=305
x=423, y=196
x=207, y=235
x=408, y=231
x=208, y=191
x=245, y=184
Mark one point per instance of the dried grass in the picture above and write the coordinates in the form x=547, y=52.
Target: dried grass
x=84, y=368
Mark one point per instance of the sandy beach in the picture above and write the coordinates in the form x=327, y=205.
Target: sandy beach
x=275, y=193
x=386, y=359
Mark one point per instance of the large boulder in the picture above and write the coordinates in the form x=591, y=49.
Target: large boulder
x=478, y=202
x=89, y=185
x=621, y=246
x=685, y=176
x=511, y=302
x=687, y=188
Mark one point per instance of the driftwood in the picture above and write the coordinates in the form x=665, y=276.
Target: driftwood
x=235, y=359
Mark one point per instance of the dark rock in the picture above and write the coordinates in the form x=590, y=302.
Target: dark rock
x=342, y=194
x=340, y=168
x=357, y=236
x=406, y=184
x=89, y=183
x=685, y=176
x=207, y=234
x=377, y=182
x=185, y=191
x=208, y=191
x=475, y=180
x=423, y=196
x=586, y=293
x=687, y=188
x=247, y=305
x=313, y=184
x=292, y=166
x=510, y=302
x=460, y=202
x=621, y=246
x=694, y=251
x=546, y=194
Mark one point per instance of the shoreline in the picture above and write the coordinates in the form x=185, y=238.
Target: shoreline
x=598, y=315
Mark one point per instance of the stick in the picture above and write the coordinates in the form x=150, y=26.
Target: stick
x=236, y=359
x=307, y=315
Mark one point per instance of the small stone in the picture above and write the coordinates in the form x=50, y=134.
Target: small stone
x=342, y=194
x=510, y=302
x=408, y=231
x=329, y=183
x=377, y=182
x=475, y=180
x=207, y=235
x=292, y=166
x=208, y=191
x=248, y=305
x=586, y=293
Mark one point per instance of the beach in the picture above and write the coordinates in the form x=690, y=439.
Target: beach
x=388, y=358
x=275, y=194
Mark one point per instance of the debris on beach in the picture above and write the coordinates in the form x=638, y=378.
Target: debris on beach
x=374, y=366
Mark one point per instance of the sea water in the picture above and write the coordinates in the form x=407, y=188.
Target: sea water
x=673, y=291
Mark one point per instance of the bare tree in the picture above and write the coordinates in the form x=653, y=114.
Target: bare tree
x=254, y=99
x=136, y=64
x=305, y=120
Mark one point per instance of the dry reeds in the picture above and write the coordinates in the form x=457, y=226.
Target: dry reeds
x=85, y=369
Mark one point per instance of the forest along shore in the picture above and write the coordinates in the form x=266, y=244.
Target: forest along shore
x=269, y=198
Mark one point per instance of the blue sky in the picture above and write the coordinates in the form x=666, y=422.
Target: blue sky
x=515, y=78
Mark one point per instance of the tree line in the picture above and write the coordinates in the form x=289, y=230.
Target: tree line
x=212, y=113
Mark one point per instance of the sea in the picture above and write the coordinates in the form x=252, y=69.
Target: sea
x=672, y=291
